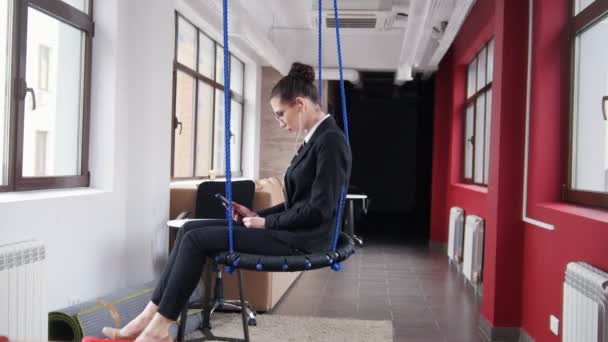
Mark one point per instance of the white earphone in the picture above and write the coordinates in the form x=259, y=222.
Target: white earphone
x=295, y=150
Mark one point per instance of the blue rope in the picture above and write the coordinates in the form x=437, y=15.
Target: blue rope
x=342, y=90
x=227, y=103
x=320, y=64
x=336, y=267
x=338, y=219
x=227, y=131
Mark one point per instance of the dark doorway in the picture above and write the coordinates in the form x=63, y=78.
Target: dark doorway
x=391, y=134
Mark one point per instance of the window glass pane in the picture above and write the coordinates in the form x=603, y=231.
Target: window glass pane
x=204, y=129
x=184, y=133
x=5, y=77
x=468, y=142
x=219, y=64
x=236, y=127
x=491, y=61
x=206, y=55
x=219, y=158
x=82, y=5
x=479, y=138
x=52, y=135
x=580, y=5
x=236, y=75
x=471, y=78
x=186, y=43
x=590, y=131
x=219, y=162
x=44, y=60
x=486, y=158
x=481, y=69
x=41, y=150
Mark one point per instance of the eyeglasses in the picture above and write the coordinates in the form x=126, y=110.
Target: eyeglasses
x=279, y=115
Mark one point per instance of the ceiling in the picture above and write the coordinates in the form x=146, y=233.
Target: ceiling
x=403, y=36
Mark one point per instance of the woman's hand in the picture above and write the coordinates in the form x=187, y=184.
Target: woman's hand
x=243, y=209
x=237, y=209
x=254, y=222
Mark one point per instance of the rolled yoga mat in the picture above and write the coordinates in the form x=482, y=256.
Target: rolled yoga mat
x=117, y=308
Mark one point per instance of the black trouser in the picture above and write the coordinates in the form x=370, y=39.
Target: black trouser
x=194, y=243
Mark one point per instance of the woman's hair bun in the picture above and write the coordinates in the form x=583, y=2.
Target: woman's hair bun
x=302, y=71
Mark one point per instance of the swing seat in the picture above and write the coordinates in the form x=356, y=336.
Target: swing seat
x=291, y=263
x=254, y=262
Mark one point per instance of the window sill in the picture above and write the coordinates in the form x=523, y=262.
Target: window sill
x=594, y=214
x=471, y=187
x=23, y=196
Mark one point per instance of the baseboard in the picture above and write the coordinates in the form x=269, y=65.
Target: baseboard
x=524, y=337
x=501, y=334
x=438, y=246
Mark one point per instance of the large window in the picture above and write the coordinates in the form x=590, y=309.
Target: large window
x=478, y=116
x=44, y=112
x=588, y=159
x=198, y=116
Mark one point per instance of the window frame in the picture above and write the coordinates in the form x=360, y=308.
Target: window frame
x=579, y=23
x=82, y=21
x=472, y=101
x=198, y=77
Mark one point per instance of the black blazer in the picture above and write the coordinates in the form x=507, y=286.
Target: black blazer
x=313, y=181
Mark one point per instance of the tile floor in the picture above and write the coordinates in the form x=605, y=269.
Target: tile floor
x=398, y=279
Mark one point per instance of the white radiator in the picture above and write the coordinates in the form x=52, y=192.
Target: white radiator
x=23, y=301
x=456, y=234
x=585, y=304
x=472, y=265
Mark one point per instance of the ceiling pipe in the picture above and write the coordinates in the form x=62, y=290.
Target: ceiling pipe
x=422, y=55
x=333, y=74
x=404, y=74
x=459, y=14
x=251, y=36
x=417, y=17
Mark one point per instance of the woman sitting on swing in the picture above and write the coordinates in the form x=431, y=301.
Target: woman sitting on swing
x=304, y=223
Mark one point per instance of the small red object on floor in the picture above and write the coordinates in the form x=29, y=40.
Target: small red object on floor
x=3, y=339
x=96, y=339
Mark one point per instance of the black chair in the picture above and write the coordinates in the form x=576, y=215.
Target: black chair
x=209, y=207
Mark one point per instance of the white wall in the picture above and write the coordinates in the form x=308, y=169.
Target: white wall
x=251, y=124
x=113, y=234
x=148, y=69
x=103, y=238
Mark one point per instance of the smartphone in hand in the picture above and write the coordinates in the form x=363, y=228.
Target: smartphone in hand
x=241, y=210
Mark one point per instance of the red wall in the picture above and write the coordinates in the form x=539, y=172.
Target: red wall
x=524, y=264
x=447, y=191
x=581, y=234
